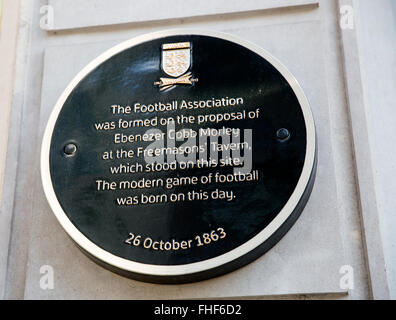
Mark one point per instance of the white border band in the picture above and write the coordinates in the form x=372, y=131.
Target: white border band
x=175, y=270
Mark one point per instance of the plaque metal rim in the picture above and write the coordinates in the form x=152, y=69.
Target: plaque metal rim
x=204, y=265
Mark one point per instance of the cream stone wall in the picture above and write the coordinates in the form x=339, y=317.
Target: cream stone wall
x=339, y=62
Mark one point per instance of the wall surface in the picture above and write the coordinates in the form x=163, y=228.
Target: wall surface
x=8, y=38
x=348, y=220
x=377, y=45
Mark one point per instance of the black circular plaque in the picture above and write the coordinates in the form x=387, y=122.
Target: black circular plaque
x=180, y=155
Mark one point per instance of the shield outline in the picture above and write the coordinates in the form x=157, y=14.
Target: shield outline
x=171, y=48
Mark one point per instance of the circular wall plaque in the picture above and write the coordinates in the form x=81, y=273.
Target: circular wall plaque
x=180, y=155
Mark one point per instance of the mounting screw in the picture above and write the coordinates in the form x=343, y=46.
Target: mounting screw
x=283, y=134
x=70, y=149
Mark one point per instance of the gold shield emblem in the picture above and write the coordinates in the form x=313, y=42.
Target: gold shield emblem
x=176, y=60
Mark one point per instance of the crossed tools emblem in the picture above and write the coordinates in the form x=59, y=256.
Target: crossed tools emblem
x=166, y=83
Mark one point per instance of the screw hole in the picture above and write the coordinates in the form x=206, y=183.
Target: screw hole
x=283, y=134
x=70, y=149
